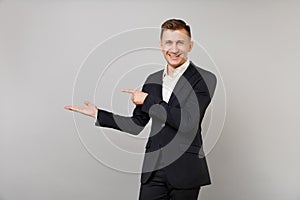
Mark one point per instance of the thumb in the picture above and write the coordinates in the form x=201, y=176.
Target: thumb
x=86, y=102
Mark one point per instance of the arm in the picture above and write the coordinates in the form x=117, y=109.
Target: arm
x=133, y=125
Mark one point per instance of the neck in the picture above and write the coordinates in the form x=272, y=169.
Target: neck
x=170, y=70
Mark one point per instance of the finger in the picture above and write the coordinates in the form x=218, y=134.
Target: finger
x=70, y=108
x=86, y=102
x=129, y=91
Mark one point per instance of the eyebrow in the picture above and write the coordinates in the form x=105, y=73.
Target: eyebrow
x=174, y=41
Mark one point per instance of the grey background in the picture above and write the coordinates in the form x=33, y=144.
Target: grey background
x=42, y=45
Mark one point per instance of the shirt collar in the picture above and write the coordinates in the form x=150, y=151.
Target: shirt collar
x=179, y=70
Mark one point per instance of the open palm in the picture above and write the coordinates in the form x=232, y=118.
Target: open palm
x=88, y=109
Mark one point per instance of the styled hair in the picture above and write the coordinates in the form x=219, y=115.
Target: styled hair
x=175, y=24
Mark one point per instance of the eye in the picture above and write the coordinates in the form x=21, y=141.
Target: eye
x=180, y=42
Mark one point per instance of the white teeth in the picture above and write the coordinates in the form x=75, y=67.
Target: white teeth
x=174, y=56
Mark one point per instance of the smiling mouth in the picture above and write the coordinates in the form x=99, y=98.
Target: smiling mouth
x=174, y=56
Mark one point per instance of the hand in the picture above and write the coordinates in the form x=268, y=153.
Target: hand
x=89, y=109
x=137, y=97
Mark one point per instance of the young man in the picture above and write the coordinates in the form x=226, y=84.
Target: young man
x=176, y=99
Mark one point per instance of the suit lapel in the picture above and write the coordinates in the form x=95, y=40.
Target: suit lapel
x=159, y=84
x=182, y=84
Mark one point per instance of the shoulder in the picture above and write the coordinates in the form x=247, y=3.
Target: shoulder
x=205, y=76
x=155, y=77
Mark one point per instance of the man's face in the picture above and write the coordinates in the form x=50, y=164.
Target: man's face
x=175, y=45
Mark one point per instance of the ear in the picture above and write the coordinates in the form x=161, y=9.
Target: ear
x=191, y=45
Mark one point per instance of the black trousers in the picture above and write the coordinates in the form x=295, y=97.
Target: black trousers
x=158, y=188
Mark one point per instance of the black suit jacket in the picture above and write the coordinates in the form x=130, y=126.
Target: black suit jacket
x=175, y=140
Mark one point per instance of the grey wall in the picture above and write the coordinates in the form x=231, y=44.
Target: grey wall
x=255, y=45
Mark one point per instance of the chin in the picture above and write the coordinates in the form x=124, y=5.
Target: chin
x=175, y=64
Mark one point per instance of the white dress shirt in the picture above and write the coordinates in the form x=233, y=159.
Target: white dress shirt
x=170, y=82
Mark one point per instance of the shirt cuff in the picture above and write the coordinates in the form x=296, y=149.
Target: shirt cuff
x=97, y=117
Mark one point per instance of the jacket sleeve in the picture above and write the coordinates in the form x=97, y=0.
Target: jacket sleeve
x=130, y=124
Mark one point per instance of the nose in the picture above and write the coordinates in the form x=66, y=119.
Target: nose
x=174, y=48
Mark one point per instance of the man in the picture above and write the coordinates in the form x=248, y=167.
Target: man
x=176, y=99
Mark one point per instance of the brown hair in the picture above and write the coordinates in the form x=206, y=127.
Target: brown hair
x=175, y=24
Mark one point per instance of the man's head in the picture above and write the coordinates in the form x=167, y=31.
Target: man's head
x=175, y=41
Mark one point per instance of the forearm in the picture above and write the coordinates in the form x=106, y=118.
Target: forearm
x=132, y=125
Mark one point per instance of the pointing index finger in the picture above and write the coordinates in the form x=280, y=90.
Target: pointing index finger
x=128, y=91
